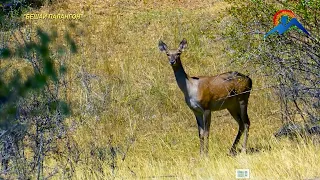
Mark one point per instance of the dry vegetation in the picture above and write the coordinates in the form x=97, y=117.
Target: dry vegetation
x=130, y=119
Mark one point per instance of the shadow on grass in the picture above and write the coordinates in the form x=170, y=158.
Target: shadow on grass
x=256, y=149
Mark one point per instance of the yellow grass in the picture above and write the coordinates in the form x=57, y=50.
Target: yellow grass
x=118, y=41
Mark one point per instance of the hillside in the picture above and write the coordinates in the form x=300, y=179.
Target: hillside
x=129, y=119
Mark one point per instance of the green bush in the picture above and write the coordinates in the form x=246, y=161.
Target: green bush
x=31, y=111
x=291, y=60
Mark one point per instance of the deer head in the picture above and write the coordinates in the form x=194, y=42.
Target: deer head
x=173, y=55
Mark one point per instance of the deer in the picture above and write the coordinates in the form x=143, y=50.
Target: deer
x=204, y=94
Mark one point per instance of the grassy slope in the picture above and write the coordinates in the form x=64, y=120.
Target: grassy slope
x=118, y=41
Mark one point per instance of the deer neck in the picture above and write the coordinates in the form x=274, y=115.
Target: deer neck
x=181, y=77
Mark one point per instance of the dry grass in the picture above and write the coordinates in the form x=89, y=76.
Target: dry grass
x=118, y=42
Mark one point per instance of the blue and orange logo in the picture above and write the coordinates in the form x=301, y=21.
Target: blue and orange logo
x=280, y=20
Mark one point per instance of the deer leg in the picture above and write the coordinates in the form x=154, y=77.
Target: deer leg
x=245, y=120
x=201, y=129
x=207, y=122
x=237, y=116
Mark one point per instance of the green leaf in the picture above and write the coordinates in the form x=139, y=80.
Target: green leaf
x=5, y=53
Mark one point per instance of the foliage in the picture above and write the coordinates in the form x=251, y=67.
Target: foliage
x=129, y=119
x=11, y=10
x=31, y=111
x=291, y=61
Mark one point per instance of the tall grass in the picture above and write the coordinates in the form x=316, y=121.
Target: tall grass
x=130, y=119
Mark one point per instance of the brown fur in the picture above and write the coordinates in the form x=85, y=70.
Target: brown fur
x=222, y=87
x=204, y=94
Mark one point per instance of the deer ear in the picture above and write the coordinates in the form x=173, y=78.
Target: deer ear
x=183, y=44
x=162, y=46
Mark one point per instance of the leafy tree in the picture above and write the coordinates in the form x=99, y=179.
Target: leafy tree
x=31, y=111
x=291, y=60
